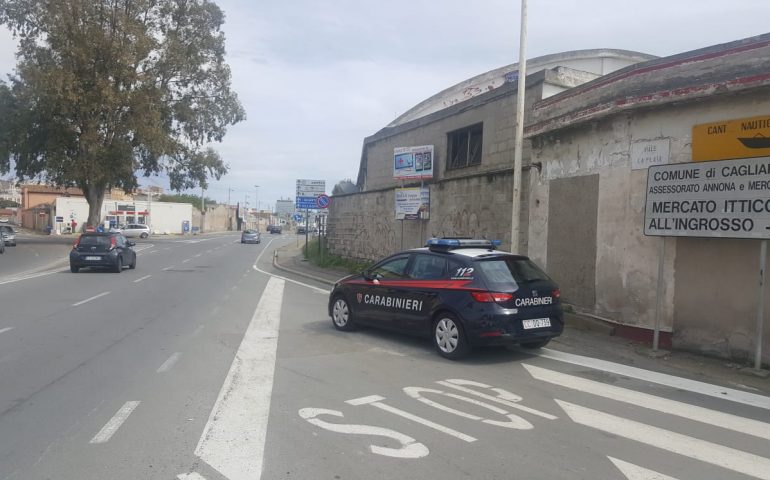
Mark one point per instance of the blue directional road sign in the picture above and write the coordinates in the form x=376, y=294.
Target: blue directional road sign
x=323, y=201
x=306, y=203
x=297, y=217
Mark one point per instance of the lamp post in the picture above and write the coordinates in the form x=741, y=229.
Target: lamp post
x=229, y=219
x=519, y=132
x=256, y=201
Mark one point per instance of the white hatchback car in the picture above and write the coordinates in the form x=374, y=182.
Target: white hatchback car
x=136, y=230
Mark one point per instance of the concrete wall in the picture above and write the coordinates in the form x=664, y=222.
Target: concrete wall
x=709, y=286
x=363, y=226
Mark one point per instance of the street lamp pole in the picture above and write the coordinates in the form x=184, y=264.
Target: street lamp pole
x=256, y=200
x=229, y=219
x=519, y=133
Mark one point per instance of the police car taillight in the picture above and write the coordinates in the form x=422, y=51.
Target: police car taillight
x=489, y=297
x=556, y=293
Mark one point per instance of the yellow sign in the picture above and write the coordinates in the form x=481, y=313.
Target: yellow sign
x=742, y=138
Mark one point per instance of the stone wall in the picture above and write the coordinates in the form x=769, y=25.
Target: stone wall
x=363, y=225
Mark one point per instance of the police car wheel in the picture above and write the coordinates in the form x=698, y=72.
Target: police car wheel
x=342, y=316
x=448, y=337
x=538, y=344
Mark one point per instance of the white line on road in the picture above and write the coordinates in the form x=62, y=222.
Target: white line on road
x=257, y=269
x=234, y=443
x=507, y=399
x=715, y=454
x=109, y=429
x=635, y=472
x=143, y=278
x=197, y=331
x=375, y=401
x=6, y=329
x=644, y=400
x=154, y=251
x=190, y=476
x=185, y=261
x=169, y=363
x=695, y=386
x=90, y=299
x=168, y=268
x=197, y=255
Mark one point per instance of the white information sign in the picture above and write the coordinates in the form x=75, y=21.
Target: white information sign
x=412, y=203
x=413, y=162
x=648, y=153
x=724, y=199
x=310, y=188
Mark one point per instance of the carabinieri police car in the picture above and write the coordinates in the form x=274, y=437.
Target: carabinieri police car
x=459, y=292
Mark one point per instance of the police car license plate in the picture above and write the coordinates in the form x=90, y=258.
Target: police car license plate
x=536, y=323
x=93, y=258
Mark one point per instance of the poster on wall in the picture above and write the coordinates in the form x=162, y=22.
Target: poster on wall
x=412, y=203
x=413, y=162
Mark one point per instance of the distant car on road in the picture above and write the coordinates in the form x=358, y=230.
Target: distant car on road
x=9, y=235
x=133, y=230
x=109, y=249
x=2, y=242
x=250, y=236
x=301, y=230
x=274, y=229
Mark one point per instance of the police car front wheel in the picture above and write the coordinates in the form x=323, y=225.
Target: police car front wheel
x=342, y=317
x=448, y=337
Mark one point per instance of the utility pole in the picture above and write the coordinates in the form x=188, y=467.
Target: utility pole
x=256, y=200
x=519, y=133
x=203, y=210
x=229, y=220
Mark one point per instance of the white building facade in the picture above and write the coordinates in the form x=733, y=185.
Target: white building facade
x=162, y=217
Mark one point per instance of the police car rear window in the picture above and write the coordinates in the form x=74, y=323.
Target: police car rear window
x=504, y=273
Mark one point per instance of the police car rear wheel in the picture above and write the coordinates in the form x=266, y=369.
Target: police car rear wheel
x=449, y=338
x=342, y=317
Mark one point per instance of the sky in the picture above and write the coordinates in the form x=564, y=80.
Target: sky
x=318, y=76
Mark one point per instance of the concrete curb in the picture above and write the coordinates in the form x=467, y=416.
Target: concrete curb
x=297, y=272
x=581, y=322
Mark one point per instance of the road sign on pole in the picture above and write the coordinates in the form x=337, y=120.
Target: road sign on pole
x=322, y=201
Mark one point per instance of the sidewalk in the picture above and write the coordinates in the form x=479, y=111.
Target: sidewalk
x=586, y=336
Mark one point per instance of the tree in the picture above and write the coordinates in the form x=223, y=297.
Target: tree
x=108, y=89
x=194, y=200
x=344, y=186
x=8, y=203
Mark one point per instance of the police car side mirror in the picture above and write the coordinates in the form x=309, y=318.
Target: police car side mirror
x=367, y=274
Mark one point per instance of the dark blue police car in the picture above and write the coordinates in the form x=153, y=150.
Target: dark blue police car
x=461, y=293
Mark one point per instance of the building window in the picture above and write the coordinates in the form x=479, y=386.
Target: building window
x=464, y=147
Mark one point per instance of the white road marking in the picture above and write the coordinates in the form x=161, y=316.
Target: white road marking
x=154, y=251
x=31, y=276
x=109, y=429
x=712, y=453
x=635, y=472
x=168, y=268
x=6, y=329
x=410, y=448
x=257, y=269
x=187, y=260
x=143, y=278
x=190, y=476
x=504, y=397
x=514, y=421
x=694, y=386
x=233, y=441
x=90, y=299
x=197, y=255
x=197, y=331
x=387, y=351
x=169, y=363
x=376, y=401
x=644, y=400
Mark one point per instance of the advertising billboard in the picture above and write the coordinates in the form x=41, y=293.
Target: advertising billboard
x=413, y=162
x=412, y=203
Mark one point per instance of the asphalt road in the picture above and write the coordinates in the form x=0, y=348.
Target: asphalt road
x=206, y=363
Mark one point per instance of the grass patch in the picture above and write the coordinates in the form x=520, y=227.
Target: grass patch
x=322, y=258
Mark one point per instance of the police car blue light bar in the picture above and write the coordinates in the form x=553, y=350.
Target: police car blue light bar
x=451, y=243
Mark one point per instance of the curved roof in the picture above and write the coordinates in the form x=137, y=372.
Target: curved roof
x=596, y=61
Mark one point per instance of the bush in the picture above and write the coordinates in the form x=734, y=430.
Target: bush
x=325, y=260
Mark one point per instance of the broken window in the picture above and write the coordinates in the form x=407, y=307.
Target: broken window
x=464, y=147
